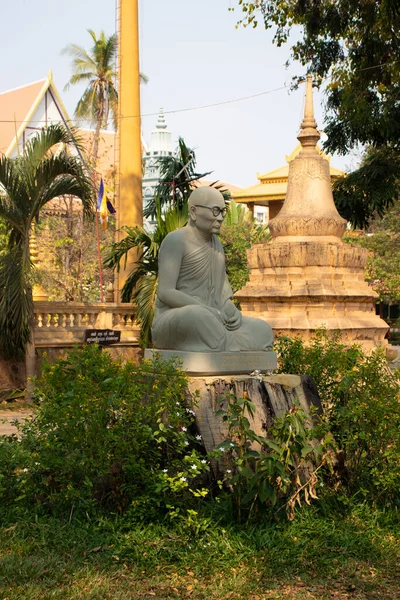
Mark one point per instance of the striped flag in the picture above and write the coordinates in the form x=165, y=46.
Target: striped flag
x=104, y=206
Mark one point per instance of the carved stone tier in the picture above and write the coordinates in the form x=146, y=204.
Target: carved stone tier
x=217, y=363
x=300, y=286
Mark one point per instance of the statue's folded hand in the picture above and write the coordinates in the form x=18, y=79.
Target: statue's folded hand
x=234, y=322
x=232, y=316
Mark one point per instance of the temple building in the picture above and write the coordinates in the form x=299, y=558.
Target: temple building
x=160, y=146
x=29, y=108
x=26, y=110
x=265, y=199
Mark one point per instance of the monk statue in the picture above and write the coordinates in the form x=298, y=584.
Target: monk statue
x=194, y=309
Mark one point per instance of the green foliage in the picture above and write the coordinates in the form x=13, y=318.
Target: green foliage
x=97, y=69
x=278, y=468
x=383, y=266
x=371, y=190
x=68, y=254
x=361, y=408
x=177, y=177
x=4, y=233
x=316, y=555
x=105, y=435
x=27, y=184
x=240, y=232
x=354, y=46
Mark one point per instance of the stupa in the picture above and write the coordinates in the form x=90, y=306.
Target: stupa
x=306, y=277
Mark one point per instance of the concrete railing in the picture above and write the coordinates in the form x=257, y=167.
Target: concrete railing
x=63, y=324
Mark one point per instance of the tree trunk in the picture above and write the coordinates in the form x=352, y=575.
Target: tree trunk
x=30, y=354
x=30, y=364
x=99, y=122
x=272, y=396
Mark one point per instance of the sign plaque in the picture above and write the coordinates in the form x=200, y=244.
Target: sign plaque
x=103, y=337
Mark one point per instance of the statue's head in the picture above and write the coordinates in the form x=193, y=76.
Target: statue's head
x=207, y=209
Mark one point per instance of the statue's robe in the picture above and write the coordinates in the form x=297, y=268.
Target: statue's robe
x=194, y=328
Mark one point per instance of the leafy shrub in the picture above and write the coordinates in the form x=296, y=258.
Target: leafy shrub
x=105, y=434
x=238, y=233
x=281, y=468
x=361, y=399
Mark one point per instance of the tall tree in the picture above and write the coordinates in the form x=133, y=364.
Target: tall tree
x=369, y=191
x=68, y=253
x=97, y=69
x=356, y=46
x=383, y=266
x=27, y=183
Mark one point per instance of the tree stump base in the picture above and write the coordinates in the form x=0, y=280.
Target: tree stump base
x=273, y=395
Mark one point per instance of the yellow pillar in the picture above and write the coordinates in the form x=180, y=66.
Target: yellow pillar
x=130, y=205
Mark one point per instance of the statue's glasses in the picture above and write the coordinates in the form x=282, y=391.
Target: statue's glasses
x=215, y=210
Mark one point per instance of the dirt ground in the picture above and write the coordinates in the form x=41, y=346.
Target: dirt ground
x=8, y=416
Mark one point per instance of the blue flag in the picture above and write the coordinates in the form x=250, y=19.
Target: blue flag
x=101, y=194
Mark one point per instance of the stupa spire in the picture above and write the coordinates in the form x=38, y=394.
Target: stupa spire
x=309, y=135
x=161, y=124
x=306, y=277
x=309, y=210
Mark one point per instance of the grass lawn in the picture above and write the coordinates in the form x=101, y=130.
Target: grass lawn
x=352, y=554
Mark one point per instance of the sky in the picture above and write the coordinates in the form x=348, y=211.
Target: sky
x=193, y=56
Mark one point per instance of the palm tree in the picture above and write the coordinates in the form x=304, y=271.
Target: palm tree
x=177, y=180
x=97, y=68
x=44, y=171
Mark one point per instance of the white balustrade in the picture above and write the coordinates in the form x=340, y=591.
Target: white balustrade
x=62, y=324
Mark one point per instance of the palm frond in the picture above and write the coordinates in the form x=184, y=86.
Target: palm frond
x=58, y=176
x=176, y=176
x=145, y=299
x=237, y=213
x=79, y=77
x=39, y=146
x=12, y=188
x=86, y=109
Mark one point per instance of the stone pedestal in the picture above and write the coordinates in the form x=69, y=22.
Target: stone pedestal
x=217, y=363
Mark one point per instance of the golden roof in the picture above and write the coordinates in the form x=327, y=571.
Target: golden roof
x=272, y=186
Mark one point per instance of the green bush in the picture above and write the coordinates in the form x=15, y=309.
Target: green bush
x=361, y=399
x=105, y=434
x=279, y=469
x=116, y=437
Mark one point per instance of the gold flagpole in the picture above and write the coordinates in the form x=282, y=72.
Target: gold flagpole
x=130, y=203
